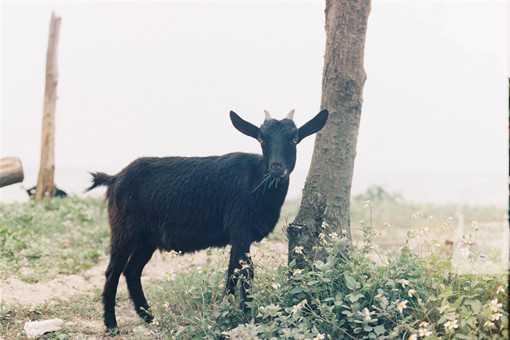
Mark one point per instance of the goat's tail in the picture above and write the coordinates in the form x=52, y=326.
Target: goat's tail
x=100, y=178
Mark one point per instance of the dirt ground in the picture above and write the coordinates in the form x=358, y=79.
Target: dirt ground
x=15, y=291
x=68, y=287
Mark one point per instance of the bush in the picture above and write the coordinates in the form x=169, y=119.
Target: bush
x=408, y=297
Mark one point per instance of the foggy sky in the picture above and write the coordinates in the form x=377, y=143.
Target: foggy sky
x=158, y=79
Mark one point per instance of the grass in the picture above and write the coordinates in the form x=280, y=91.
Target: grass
x=41, y=240
x=181, y=296
x=352, y=299
x=394, y=220
x=64, y=236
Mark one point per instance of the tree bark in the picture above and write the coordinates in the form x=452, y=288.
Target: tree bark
x=11, y=171
x=46, y=178
x=325, y=206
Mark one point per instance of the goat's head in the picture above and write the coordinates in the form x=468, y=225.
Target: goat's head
x=278, y=139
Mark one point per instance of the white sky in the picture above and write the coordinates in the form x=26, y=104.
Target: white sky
x=158, y=78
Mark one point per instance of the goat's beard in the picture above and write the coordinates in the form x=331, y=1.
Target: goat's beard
x=269, y=182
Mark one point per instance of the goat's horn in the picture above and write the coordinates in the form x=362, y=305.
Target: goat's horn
x=268, y=115
x=290, y=115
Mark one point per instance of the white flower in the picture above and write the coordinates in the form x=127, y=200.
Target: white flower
x=495, y=316
x=424, y=331
x=495, y=306
x=298, y=307
x=450, y=325
x=401, y=306
x=489, y=325
x=298, y=250
x=411, y=292
x=366, y=314
x=275, y=285
x=403, y=282
x=500, y=289
x=297, y=271
x=319, y=337
x=413, y=337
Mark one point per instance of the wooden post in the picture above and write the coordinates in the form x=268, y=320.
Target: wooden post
x=45, y=180
x=11, y=171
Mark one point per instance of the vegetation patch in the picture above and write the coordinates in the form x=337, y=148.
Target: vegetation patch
x=339, y=298
x=39, y=240
x=405, y=294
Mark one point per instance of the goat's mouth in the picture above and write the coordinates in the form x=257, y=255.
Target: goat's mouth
x=271, y=180
x=279, y=174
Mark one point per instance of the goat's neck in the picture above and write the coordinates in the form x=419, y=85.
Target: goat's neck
x=272, y=195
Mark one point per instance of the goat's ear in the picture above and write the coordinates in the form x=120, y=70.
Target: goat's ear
x=313, y=125
x=245, y=127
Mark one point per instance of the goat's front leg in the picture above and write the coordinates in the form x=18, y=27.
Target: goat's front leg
x=240, y=267
x=246, y=277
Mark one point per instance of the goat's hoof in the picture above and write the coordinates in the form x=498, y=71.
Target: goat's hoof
x=112, y=331
x=147, y=317
x=229, y=291
x=145, y=314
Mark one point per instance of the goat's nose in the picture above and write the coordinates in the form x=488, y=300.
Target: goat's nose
x=277, y=169
x=276, y=166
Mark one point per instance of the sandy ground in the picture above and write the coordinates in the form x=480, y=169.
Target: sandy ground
x=15, y=291
x=161, y=266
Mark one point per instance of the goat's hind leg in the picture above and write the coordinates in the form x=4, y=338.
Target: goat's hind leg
x=133, y=273
x=120, y=252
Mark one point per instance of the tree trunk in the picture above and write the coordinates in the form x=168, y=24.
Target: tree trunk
x=325, y=206
x=45, y=180
x=11, y=171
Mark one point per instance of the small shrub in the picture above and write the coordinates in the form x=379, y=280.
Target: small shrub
x=408, y=297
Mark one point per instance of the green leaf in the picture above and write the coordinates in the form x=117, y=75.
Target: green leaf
x=350, y=282
x=476, y=305
x=458, y=302
x=296, y=290
x=354, y=297
x=379, y=329
x=357, y=330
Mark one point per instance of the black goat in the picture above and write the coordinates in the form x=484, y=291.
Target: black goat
x=58, y=192
x=187, y=204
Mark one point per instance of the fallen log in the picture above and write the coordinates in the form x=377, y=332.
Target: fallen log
x=11, y=171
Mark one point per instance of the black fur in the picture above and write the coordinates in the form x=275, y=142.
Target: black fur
x=192, y=203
